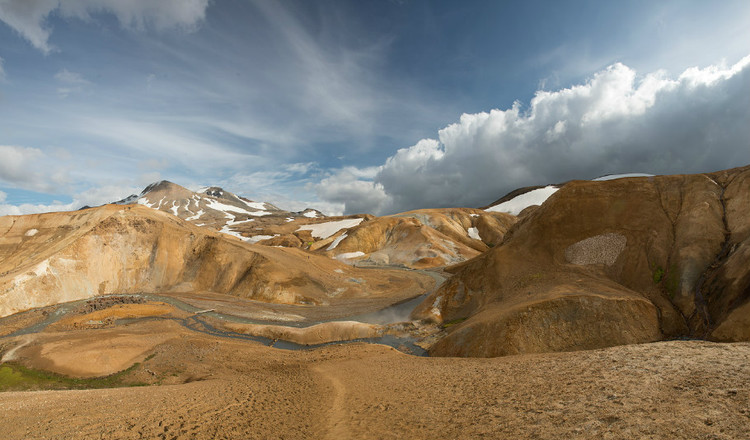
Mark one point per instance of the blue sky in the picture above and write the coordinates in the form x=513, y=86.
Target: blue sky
x=362, y=106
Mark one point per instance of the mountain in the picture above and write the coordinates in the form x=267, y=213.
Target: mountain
x=420, y=239
x=516, y=201
x=57, y=257
x=416, y=239
x=604, y=263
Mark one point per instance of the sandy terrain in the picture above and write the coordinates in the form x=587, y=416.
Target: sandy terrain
x=225, y=388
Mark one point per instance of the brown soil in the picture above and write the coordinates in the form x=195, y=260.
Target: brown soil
x=109, y=315
x=233, y=389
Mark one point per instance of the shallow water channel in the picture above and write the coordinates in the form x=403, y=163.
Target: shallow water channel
x=395, y=313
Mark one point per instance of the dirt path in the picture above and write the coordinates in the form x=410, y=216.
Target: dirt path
x=337, y=416
x=238, y=390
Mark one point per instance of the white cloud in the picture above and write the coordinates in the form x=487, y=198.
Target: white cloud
x=18, y=163
x=615, y=122
x=355, y=196
x=68, y=77
x=29, y=17
x=3, y=196
x=73, y=82
x=2, y=69
x=92, y=197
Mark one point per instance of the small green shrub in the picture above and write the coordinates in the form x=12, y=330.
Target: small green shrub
x=658, y=275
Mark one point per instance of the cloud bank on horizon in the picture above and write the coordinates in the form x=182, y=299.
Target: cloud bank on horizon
x=614, y=123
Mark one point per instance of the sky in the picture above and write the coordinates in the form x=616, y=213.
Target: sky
x=376, y=106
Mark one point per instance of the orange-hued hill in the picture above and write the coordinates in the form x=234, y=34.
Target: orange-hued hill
x=608, y=263
x=56, y=257
x=416, y=239
x=422, y=238
x=590, y=302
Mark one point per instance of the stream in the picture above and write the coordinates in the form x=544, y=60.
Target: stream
x=392, y=314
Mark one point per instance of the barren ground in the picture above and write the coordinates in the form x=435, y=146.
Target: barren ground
x=223, y=388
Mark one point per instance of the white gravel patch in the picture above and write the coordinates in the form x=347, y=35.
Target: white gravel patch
x=599, y=249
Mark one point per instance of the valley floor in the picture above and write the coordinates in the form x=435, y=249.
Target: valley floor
x=225, y=388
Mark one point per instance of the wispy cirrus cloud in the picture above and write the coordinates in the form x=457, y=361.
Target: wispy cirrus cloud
x=70, y=82
x=30, y=17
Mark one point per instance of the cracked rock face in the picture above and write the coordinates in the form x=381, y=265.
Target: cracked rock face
x=669, y=252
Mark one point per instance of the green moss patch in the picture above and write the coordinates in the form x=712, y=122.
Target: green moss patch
x=16, y=377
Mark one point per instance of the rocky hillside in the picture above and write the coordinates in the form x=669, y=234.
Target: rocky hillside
x=420, y=239
x=604, y=263
x=56, y=257
x=218, y=209
x=417, y=239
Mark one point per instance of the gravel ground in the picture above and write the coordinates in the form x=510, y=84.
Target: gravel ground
x=675, y=390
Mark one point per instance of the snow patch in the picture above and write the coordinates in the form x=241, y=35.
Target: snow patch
x=31, y=232
x=311, y=214
x=325, y=230
x=144, y=201
x=196, y=216
x=621, y=176
x=517, y=204
x=226, y=230
x=336, y=242
x=257, y=238
x=223, y=207
x=289, y=219
x=256, y=205
x=474, y=233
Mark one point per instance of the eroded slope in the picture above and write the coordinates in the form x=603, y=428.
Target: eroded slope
x=608, y=263
x=57, y=257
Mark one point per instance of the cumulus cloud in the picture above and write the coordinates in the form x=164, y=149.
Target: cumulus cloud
x=616, y=122
x=33, y=169
x=29, y=17
x=17, y=162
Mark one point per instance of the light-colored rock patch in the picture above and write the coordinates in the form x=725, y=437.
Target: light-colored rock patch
x=599, y=249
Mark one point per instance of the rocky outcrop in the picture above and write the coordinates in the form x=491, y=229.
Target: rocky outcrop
x=50, y=258
x=643, y=258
